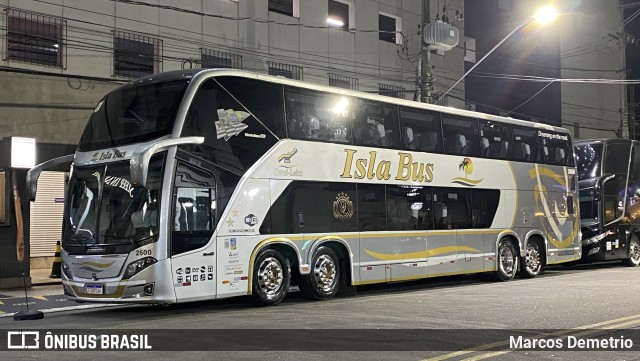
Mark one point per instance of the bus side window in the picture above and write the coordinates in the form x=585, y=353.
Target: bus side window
x=318, y=116
x=460, y=136
x=408, y=208
x=452, y=208
x=485, y=203
x=420, y=130
x=371, y=207
x=375, y=124
x=495, y=140
x=194, y=198
x=526, y=144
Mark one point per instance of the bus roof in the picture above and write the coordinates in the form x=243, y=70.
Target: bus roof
x=206, y=73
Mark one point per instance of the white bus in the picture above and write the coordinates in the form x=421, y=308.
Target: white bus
x=206, y=184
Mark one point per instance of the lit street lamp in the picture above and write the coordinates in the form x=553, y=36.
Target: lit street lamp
x=543, y=16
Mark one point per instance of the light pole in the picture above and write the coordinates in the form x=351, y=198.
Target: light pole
x=543, y=16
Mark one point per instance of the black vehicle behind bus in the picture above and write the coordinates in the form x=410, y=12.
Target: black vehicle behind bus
x=609, y=183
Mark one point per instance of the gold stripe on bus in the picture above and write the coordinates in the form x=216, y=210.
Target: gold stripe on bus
x=420, y=254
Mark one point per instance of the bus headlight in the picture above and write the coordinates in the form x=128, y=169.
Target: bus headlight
x=594, y=239
x=66, y=270
x=137, y=266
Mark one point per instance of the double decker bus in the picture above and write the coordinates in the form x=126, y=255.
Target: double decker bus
x=609, y=191
x=206, y=184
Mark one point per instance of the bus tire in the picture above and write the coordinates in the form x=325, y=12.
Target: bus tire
x=532, y=263
x=323, y=281
x=271, y=278
x=507, y=261
x=634, y=253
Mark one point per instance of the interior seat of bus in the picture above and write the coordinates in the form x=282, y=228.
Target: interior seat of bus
x=523, y=152
x=457, y=144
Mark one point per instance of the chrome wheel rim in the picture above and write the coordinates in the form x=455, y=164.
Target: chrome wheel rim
x=532, y=260
x=270, y=276
x=634, y=252
x=324, y=273
x=507, y=264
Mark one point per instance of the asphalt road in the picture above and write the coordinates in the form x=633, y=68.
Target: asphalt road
x=472, y=311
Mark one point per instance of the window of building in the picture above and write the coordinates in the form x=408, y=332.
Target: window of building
x=342, y=81
x=286, y=7
x=220, y=59
x=318, y=116
x=3, y=197
x=341, y=15
x=391, y=91
x=460, y=135
x=420, y=130
x=375, y=124
x=136, y=55
x=390, y=27
x=284, y=70
x=34, y=38
x=469, y=49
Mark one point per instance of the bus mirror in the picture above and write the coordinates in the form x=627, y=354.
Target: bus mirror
x=34, y=173
x=139, y=164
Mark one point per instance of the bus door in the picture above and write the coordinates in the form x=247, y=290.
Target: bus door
x=192, y=221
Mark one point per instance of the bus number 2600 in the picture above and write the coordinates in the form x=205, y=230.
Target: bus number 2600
x=143, y=252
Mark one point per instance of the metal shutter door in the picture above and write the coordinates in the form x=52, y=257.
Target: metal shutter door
x=46, y=214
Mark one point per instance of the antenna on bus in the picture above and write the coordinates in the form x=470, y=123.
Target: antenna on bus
x=28, y=314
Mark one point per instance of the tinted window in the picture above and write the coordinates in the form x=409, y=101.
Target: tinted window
x=460, y=136
x=409, y=208
x=371, y=207
x=194, y=209
x=485, y=204
x=452, y=208
x=375, y=124
x=420, y=130
x=526, y=144
x=133, y=114
x=616, y=158
x=635, y=165
x=313, y=207
x=495, y=140
x=234, y=138
x=613, y=198
x=318, y=116
x=589, y=158
x=556, y=148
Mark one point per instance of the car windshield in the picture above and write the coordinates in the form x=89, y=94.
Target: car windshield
x=104, y=208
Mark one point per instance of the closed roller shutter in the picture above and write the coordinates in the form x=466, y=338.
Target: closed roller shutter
x=46, y=214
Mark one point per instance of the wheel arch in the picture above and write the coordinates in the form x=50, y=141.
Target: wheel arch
x=534, y=235
x=338, y=245
x=283, y=245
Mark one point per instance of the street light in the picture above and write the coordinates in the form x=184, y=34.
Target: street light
x=543, y=16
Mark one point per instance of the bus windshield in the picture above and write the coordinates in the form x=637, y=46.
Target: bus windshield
x=589, y=158
x=133, y=114
x=104, y=208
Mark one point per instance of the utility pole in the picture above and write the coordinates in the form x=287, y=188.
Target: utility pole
x=624, y=120
x=425, y=77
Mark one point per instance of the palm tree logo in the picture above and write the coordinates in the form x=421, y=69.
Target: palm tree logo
x=466, y=166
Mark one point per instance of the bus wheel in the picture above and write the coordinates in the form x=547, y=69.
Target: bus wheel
x=324, y=280
x=634, y=253
x=532, y=261
x=507, y=261
x=271, y=278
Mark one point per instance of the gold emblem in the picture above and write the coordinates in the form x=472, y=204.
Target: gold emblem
x=342, y=207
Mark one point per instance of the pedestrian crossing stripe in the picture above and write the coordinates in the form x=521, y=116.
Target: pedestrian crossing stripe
x=39, y=298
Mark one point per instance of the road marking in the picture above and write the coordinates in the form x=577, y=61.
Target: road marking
x=39, y=298
x=635, y=318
